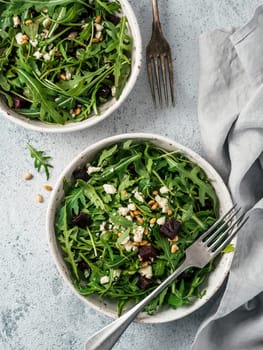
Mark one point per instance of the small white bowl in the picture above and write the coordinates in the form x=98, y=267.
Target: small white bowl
x=215, y=278
x=105, y=109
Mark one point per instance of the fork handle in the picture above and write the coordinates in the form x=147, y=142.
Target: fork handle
x=108, y=336
x=156, y=19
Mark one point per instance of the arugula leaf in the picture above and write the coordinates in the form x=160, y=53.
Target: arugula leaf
x=40, y=160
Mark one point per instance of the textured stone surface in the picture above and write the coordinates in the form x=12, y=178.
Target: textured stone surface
x=37, y=309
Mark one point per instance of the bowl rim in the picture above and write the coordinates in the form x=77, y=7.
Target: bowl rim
x=222, y=267
x=114, y=104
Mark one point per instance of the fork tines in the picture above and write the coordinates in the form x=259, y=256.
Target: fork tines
x=160, y=65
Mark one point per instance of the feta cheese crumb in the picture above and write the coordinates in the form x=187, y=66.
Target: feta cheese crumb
x=104, y=280
x=129, y=246
x=126, y=240
x=123, y=211
x=37, y=54
x=33, y=43
x=163, y=203
x=131, y=206
x=16, y=21
x=110, y=189
x=138, y=233
x=128, y=217
x=116, y=273
x=47, y=56
x=164, y=189
x=93, y=169
x=98, y=27
x=138, y=196
x=161, y=220
x=146, y=271
x=21, y=38
x=103, y=226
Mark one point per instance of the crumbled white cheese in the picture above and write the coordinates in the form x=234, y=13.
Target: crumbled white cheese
x=44, y=34
x=33, y=43
x=98, y=35
x=86, y=273
x=104, y=280
x=163, y=203
x=47, y=56
x=37, y=54
x=161, y=220
x=46, y=23
x=138, y=196
x=123, y=211
x=164, y=189
x=98, y=27
x=128, y=217
x=16, y=21
x=110, y=189
x=131, y=206
x=103, y=226
x=20, y=38
x=93, y=169
x=125, y=240
x=116, y=273
x=146, y=271
x=138, y=233
x=129, y=246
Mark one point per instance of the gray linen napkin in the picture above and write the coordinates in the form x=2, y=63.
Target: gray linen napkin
x=231, y=122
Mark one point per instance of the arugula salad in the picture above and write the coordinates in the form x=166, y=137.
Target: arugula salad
x=61, y=59
x=126, y=220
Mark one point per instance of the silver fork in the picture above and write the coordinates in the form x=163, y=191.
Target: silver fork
x=158, y=60
x=204, y=249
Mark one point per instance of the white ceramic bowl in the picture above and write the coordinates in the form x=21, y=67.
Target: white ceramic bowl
x=216, y=277
x=107, y=108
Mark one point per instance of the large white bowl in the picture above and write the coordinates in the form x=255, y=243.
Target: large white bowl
x=106, y=109
x=216, y=277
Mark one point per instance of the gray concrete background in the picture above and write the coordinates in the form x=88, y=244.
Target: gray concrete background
x=37, y=309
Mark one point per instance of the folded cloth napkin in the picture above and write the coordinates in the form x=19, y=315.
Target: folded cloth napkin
x=231, y=121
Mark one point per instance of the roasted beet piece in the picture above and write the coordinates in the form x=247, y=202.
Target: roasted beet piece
x=18, y=102
x=81, y=174
x=171, y=228
x=81, y=220
x=104, y=91
x=143, y=282
x=147, y=253
x=113, y=19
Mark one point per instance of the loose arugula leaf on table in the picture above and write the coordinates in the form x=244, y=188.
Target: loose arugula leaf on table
x=40, y=160
x=109, y=245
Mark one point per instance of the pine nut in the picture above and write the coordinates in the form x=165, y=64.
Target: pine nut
x=146, y=231
x=139, y=219
x=153, y=221
x=48, y=187
x=62, y=77
x=175, y=239
x=151, y=202
x=28, y=21
x=40, y=198
x=98, y=19
x=174, y=248
x=169, y=212
x=136, y=212
x=155, y=192
x=119, y=234
x=155, y=206
x=77, y=111
x=143, y=243
x=136, y=244
x=144, y=264
x=132, y=214
x=28, y=176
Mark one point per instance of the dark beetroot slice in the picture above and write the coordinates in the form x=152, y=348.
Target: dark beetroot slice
x=104, y=91
x=171, y=228
x=81, y=220
x=143, y=282
x=81, y=174
x=147, y=253
x=113, y=19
